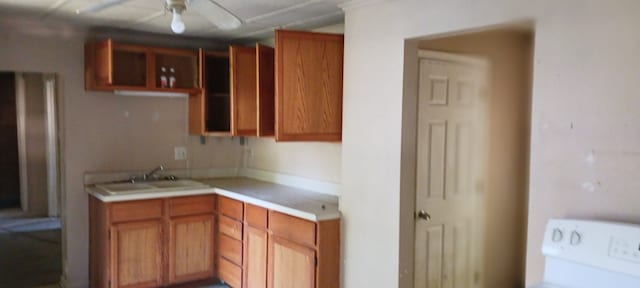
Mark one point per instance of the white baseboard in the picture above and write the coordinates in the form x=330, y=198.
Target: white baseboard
x=319, y=186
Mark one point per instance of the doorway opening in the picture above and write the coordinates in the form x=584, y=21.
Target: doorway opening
x=30, y=231
x=467, y=157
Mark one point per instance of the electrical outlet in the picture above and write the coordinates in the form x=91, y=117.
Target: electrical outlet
x=180, y=153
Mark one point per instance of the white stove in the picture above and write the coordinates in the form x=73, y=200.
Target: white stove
x=590, y=254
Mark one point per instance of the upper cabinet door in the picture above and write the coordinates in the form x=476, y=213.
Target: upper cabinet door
x=242, y=61
x=97, y=59
x=308, y=86
x=197, y=100
x=266, y=90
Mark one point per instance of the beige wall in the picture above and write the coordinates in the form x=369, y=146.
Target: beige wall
x=508, y=54
x=316, y=160
x=584, y=99
x=36, y=141
x=102, y=131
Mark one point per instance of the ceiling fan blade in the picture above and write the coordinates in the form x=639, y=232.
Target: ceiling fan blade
x=100, y=6
x=215, y=13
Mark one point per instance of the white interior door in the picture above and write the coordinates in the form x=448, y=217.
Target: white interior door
x=450, y=144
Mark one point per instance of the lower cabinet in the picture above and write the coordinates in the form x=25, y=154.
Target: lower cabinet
x=291, y=265
x=163, y=242
x=191, y=247
x=151, y=243
x=255, y=247
x=137, y=254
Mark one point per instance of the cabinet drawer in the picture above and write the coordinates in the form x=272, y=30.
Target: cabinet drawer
x=230, y=248
x=230, y=207
x=136, y=210
x=192, y=205
x=255, y=216
x=230, y=227
x=230, y=273
x=293, y=228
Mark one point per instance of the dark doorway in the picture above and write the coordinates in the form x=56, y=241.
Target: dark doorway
x=9, y=161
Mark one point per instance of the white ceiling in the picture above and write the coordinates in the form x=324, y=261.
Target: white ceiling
x=260, y=17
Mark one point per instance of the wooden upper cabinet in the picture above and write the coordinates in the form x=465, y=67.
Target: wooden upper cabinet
x=136, y=254
x=243, y=90
x=210, y=110
x=238, y=93
x=308, y=83
x=113, y=66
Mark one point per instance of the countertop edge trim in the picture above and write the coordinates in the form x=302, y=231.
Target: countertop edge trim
x=219, y=191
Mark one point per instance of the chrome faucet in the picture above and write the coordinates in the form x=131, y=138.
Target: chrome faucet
x=152, y=173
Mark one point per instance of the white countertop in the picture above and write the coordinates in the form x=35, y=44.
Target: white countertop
x=297, y=202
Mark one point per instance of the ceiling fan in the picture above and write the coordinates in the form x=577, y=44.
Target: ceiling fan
x=209, y=9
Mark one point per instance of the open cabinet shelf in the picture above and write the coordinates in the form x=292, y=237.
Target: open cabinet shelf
x=232, y=84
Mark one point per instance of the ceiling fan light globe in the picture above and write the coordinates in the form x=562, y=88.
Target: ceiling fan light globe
x=177, y=25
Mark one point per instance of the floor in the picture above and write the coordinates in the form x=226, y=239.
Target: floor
x=31, y=251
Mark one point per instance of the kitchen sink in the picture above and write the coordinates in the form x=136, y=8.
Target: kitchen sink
x=152, y=186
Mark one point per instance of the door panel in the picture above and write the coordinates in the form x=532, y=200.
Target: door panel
x=449, y=165
x=255, y=257
x=243, y=91
x=290, y=265
x=191, y=248
x=137, y=254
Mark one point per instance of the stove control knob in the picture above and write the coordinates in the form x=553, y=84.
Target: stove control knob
x=576, y=238
x=556, y=236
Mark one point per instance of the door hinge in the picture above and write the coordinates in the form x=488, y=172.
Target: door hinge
x=109, y=284
x=109, y=235
x=315, y=260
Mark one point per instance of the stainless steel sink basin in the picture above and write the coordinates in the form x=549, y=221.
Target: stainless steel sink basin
x=149, y=187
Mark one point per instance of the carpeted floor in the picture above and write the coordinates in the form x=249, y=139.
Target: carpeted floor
x=30, y=252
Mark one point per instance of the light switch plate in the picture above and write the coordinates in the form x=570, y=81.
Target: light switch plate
x=180, y=153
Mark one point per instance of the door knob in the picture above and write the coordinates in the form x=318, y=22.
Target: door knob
x=423, y=215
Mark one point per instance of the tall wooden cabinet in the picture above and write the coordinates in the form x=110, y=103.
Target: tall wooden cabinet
x=308, y=83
